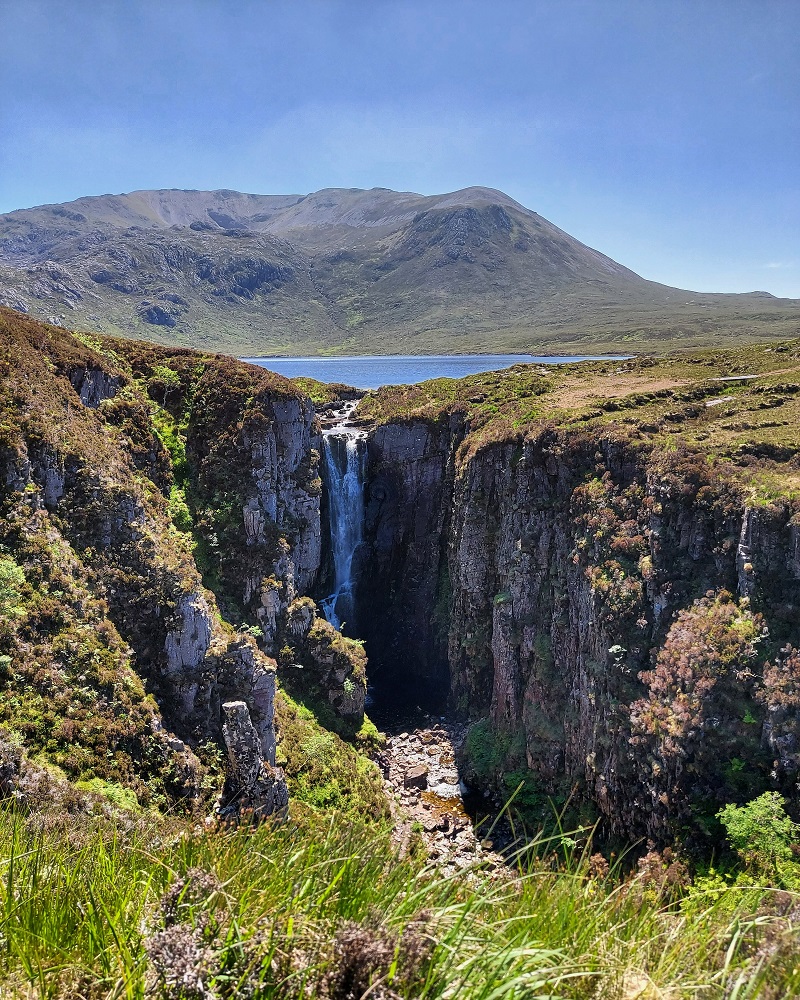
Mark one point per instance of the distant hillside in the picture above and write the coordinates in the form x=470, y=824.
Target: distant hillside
x=352, y=271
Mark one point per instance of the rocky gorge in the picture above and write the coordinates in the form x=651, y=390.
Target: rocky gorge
x=595, y=572
x=551, y=576
x=612, y=602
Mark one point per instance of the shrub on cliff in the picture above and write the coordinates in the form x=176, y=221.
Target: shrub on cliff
x=761, y=833
x=781, y=685
x=779, y=693
x=699, y=745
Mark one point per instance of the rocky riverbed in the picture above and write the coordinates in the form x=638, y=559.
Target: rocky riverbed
x=422, y=783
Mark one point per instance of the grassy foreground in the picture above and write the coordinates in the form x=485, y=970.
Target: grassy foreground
x=321, y=907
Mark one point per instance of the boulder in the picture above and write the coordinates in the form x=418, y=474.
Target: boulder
x=416, y=777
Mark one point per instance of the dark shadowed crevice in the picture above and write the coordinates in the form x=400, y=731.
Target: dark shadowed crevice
x=385, y=578
x=402, y=587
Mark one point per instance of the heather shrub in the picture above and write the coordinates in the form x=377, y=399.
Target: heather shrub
x=696, y=743
x=780, y=688
x=334, y=910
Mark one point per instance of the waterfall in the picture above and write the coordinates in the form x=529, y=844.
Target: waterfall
x=344, y=454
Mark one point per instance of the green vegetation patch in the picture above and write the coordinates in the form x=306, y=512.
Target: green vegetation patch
x=322, y=769
x=330, y=908
x=69, y=686
x=740, y=406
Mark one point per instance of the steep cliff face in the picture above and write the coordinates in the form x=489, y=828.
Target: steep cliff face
x=604, y=596
x=116, y=660
x=404, y=587
x=260, y=453
x=246, y=445
x=568, y=561
x=246, y=456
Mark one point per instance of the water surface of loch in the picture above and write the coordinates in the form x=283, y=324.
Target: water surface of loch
x=371, y=371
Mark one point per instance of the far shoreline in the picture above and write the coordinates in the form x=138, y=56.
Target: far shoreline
x=477, y=354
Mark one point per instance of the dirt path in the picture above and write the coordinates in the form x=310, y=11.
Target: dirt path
x=576, y=394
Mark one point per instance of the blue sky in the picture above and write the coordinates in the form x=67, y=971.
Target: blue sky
x=661, y=132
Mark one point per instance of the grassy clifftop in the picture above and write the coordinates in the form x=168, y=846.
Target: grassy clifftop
x=740, y=405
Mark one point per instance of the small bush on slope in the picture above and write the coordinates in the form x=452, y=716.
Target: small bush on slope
x=761, y=833
x=323, y=770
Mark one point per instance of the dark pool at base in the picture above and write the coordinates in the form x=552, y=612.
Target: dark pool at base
x=371, y=371
x=400, y=704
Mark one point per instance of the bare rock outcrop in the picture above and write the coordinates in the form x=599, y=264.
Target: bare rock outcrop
x=93, y=385
x=254, y=788
x=253, y=449
x=333, y=667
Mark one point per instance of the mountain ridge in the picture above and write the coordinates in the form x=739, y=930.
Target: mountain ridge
x=192, y=200
x=350, y=270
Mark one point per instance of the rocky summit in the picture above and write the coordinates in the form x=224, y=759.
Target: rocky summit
x=351, y=271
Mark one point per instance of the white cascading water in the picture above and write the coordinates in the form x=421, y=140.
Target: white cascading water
x=344, y=453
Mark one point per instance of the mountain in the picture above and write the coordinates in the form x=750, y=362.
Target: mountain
x=348, y=270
